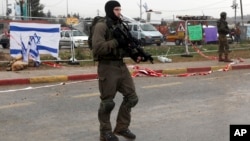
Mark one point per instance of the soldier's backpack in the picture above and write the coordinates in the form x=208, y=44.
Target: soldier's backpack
x=92, y=27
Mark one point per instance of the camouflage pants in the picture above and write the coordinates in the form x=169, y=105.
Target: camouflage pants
x=114, y=77
x=223, y=45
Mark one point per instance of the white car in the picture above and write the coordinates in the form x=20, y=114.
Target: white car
x=78, y=38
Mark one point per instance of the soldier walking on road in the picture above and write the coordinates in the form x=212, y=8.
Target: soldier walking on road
x=223, y=30
x=113, y=75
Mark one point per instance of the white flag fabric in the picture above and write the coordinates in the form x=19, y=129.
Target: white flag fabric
x=33, y=39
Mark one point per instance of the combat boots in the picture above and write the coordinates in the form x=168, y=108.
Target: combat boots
x=108, y=136
x=126, y=134
x=227, y=59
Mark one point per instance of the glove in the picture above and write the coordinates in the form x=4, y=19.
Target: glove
x=121, y=41
x=135, y=57
x=136, y=41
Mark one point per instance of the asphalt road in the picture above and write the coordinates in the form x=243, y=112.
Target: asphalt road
x=197, y=108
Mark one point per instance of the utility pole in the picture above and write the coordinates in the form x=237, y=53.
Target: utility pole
x=234, y=6
x=2, y=9
x=98, y=12
x=241, y=9
x=140, y=11
x=7, y=13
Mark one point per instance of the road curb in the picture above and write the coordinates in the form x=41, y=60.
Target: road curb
x=82, y=77
x=48, y=79
x=16, y=81
x=77, y=77
x=236, y=67
x=192, y=70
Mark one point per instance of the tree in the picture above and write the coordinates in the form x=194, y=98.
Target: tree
x=36, y=8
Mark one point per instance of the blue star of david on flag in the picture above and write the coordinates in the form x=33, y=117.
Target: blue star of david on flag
x=32, y=39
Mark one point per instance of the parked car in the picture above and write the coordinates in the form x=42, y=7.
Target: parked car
x=78, y=38
x=4, y=41
x=148, y=33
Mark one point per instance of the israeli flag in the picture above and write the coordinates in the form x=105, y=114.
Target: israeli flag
x=32, y=39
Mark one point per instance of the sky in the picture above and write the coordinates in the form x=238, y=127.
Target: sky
x=131, y=8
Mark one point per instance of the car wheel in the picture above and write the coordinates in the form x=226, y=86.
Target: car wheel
x=177, y=42
x=158, y=44
x=6, y=45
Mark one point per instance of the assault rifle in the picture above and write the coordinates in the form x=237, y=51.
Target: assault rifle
x=134, y=49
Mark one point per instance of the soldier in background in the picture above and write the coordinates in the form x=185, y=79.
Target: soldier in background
x=223, y=30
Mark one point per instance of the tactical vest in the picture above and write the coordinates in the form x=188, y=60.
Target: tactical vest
x=116, y=53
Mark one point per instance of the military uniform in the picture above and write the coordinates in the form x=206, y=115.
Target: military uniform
x=223, y=30
x=114, y=77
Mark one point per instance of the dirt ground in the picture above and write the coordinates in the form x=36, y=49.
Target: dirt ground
x=6, y=58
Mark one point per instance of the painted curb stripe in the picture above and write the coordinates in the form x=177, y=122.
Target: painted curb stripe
x=45, y=79
x=158, y=71
x=240, y=67
x=14, y=81
x=174, y=71
x=203, y=69
x=215, y=68
x=63, y=78
x=82, y=77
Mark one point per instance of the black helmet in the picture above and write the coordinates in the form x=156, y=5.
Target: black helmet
x=223, y=14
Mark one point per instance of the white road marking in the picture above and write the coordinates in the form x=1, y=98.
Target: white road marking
x=161, y=85
x=86, y=95
x=44, y=86
x=14, y=105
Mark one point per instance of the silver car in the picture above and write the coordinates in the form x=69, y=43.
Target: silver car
x=76, y=37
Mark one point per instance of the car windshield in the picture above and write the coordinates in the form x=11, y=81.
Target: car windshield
x=147, y=27
x=78, y=33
